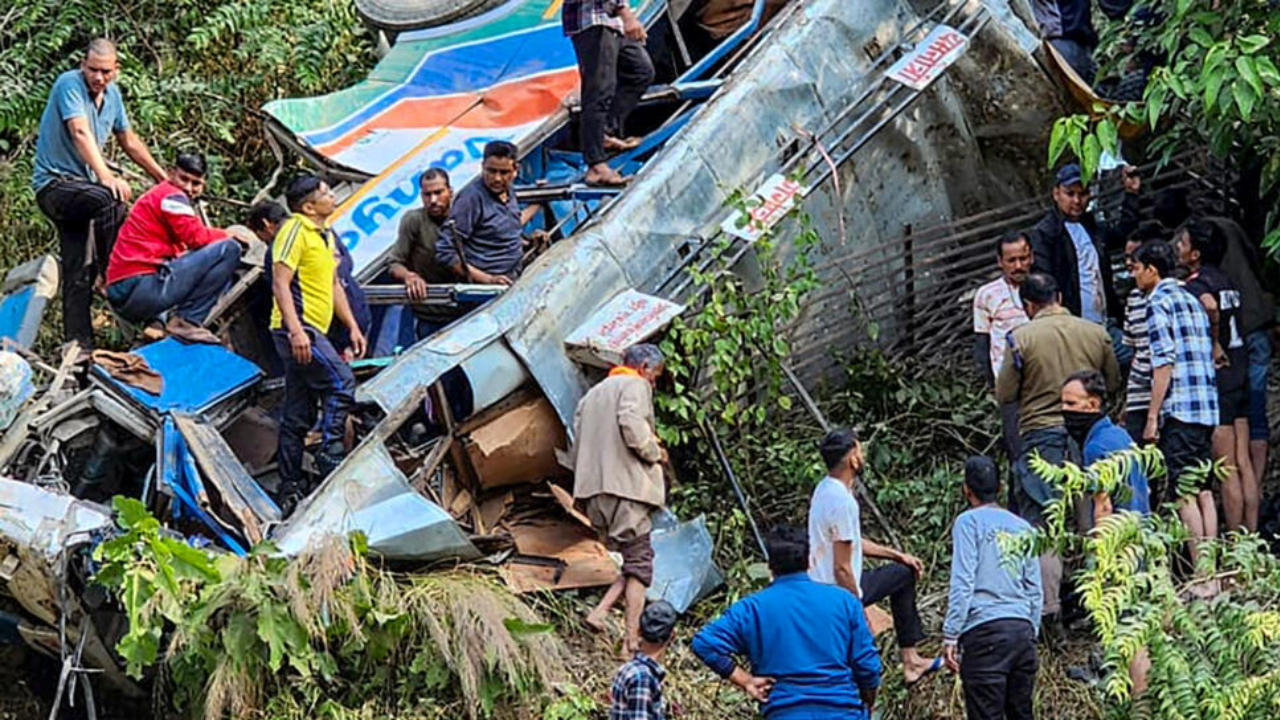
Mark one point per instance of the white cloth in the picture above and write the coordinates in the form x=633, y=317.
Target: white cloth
x=997, y=310
x=834, y=517
x=1093, y=303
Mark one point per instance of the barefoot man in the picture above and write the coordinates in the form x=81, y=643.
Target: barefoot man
x=617, y=463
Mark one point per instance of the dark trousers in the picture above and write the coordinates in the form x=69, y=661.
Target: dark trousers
x=1185, y=447
x=1031, y=491
x=998, y=666
x=72, y=205
x=189, y=285
x=326, y=380
x=615, y=71
x=898, y=583
x=1012, y=444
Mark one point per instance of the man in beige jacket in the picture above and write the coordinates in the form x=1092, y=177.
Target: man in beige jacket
x=617, y=463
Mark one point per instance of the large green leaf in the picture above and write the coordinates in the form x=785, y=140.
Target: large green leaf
x=1248, y=71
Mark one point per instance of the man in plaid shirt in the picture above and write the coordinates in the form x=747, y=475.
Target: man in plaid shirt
x=1184, y=393
x=615, y=69
x=637, y=688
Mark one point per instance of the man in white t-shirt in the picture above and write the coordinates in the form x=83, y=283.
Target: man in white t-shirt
x=997, y=310
x=836, y=549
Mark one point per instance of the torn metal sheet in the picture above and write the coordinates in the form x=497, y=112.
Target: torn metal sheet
x=683, y=569
x=629, y=318
x=369, y=494
x=25, y=292
x=239, y=493
x=47, y=522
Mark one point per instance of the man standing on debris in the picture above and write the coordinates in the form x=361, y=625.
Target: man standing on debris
x=73, y=185
x=615, y=69
x=413, y=258
x=1042, y=354
x=308, y=294
x=1071, y=246
x=1200, y=250
x=808, y=644
x=483, y=240
x=997, y=310
x=636, y=693
x=993, y=610
x=1184, y=395
x=837, y=547
x=617, y=468
x=166, y=260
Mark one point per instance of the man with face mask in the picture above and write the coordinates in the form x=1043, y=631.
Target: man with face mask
x=617, y=471
x=1098, y=437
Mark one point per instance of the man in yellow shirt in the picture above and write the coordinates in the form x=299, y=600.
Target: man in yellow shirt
x=308, y=293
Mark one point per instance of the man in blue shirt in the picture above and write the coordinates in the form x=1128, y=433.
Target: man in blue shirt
x=810, y=651
x=1082, y=396
x=993, y=611
x=72, y=182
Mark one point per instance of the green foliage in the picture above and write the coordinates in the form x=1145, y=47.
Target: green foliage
x=1215, y=85
x=193, y=74
x=325, y=633
x=1210, y=660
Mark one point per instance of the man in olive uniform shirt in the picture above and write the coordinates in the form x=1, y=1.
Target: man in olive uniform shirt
x=413, y=259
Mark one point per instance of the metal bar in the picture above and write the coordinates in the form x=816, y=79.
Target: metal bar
x=737, y=489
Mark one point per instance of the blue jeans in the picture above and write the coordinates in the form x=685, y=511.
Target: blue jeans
x=189, y=285
x=327, y=380
x=1258, y=345
x=1031, y=490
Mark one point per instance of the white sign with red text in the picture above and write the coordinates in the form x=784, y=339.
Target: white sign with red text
x=930, y=58
x=770, y=203
x=629, y=318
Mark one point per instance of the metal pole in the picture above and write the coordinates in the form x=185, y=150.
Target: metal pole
x=737, y=489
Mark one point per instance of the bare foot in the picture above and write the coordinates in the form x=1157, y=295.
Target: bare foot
x=594, y=623
x=604, y=176
x=614, y=144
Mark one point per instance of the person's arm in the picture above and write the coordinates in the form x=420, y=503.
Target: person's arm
x=876, y=550
x=1041, y=258
x=864, y=659
x=1210, y=304
x=449, y=248
x=184, y=223
x=964, y=575
x=414, y=284
x=282, y=273
x=982, y=358
x=1009, y=382
x=842, y=556
x=342, y=308
x=1118, y=232
x=138, y=152
x=631, y=25
x=717, y=643
x=633, y=422
x=87, y=148
x=1163, y=355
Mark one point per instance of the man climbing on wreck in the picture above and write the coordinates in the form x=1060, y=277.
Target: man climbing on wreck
x=308, y=294
x=617, y=467
x=615, y=70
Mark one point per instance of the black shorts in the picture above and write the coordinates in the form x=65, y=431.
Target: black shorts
x=1233, y=405
x=1185, y=447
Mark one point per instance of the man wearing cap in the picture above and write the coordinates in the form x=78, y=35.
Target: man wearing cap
x=1072, y=246
x=617, y=466
x=636, y=693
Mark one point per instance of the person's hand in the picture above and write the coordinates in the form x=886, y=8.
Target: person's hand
x=1220, y=359
x=758, y=687
x=300, y=346
x=415, y=287
x=539, y=236
x=633, y=28
x=119, y=188
x=1132, y=181
x=913, y=562
x=1151, y=433
x=951, y=656
x=665, y=458
x=484, y=278
x=358, y=343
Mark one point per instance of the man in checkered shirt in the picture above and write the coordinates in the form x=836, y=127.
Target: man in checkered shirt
x=637, y=688
x=608, y=40
x=1184, y=393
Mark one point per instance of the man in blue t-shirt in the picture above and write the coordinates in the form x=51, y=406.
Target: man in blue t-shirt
x=73, y=185
x=1082, y=396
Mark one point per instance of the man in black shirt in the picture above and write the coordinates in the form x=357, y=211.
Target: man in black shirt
x=1201, y=251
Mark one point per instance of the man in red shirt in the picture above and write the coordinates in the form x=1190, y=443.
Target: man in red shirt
x=166, y=260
